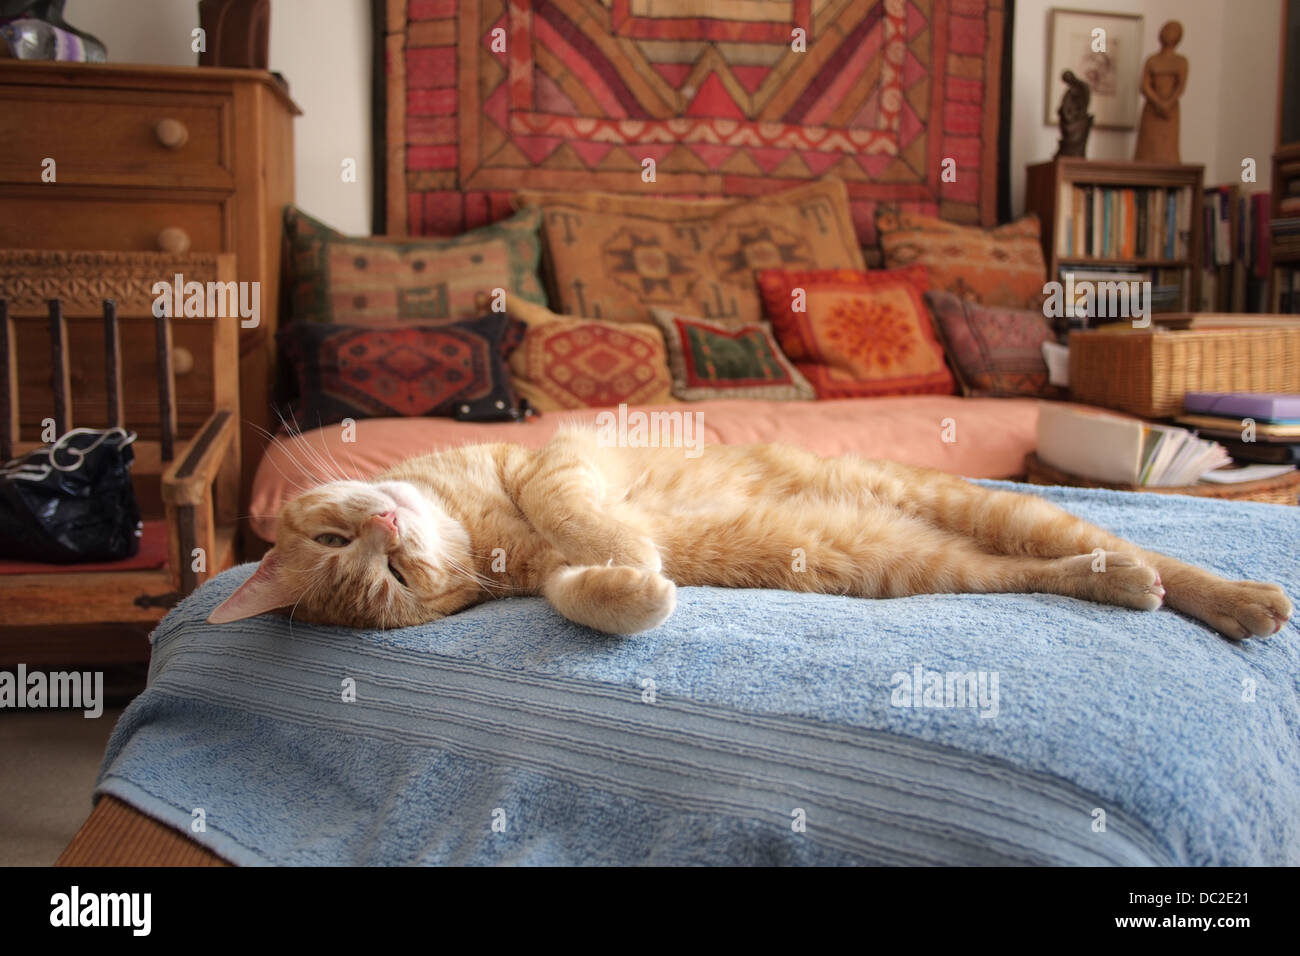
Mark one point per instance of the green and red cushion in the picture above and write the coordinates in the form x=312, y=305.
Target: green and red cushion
x=717, y=359
x=373, y=280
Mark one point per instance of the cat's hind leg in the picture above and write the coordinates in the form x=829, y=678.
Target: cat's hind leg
x=900, y=555
x=1012, y=523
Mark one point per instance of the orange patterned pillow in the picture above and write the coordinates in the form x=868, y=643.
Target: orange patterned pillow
x=566, y=362
x=1000, y=267
x=854, y=334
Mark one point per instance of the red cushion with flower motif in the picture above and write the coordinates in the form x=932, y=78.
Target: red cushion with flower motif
x=854, y=334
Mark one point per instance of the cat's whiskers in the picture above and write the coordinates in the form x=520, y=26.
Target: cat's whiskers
x=284, y=447
x=310, y=590
x=321, y=470
x=486, y=583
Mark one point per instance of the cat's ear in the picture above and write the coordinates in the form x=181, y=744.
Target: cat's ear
x=265, y=590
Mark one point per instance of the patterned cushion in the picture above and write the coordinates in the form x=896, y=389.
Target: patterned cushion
x=995, y=267
x=996, y=352
x=614, y=256
x=858, y=333
x=345, y=371
x=377, y=281
x=568, y=362
x=727, y=360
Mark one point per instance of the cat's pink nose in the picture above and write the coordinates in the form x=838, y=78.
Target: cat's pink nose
x=387, y=521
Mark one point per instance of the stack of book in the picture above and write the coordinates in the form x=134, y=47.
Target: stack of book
x=1151, y=222
x=1253, y=426
x=1286, y=236
x=1123, y=451
x=1166, y=290
x=1235, y=251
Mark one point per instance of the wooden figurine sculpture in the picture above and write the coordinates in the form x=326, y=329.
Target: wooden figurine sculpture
x=1164, y=77
x=1076, y=122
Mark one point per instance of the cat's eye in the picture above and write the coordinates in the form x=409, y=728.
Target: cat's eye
x=397, y=574
x=332, y=540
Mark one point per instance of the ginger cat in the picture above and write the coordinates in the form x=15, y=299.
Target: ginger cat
x=607, y=535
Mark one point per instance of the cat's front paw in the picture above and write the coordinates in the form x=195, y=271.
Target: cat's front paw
x=622, y=549
x=1242, y=609
x=616, y=599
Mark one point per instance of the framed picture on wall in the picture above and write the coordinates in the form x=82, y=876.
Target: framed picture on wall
x=1105, y=51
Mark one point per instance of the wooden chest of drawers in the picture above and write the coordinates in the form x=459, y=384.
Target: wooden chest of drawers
x=170, y=159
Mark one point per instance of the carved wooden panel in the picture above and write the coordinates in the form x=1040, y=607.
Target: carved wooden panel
x=82, y=280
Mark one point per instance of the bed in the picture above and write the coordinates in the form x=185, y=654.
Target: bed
x=753, y=727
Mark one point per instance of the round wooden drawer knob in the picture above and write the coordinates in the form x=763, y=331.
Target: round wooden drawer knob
x=182, y=361
x=171, y=133
x=174, y=240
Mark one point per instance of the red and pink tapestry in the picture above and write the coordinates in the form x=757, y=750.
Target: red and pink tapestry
x=898, y=98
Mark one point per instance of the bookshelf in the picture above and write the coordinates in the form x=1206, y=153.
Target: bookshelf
x=1234, y=249
x=1122, y=217
x=1284, y=267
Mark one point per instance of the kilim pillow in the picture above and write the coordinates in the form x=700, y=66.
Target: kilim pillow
x=364, y=280
x=856, y=334
x=567, y=362
x=615, y=256
x=727, y=360
x=995, y=352
x=454, y=369
x=996, y=267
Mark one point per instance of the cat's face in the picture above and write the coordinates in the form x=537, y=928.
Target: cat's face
x=357, y=554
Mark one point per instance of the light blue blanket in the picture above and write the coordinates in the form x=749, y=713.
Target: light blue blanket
x=753, y=727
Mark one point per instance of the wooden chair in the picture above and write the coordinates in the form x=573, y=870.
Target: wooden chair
x=79, y=341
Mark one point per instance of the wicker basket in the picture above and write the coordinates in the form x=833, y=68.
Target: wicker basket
x=1282, y=490
x=1147, y=373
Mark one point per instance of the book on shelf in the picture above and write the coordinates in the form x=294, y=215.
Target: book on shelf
x=1139, y=222
x=1237, y=474
x=1234, y=268
x=1118, y=450
x=1179, y=321
x=1274, y=408
x=1264, y=452
x=1228, y=426
x=1287, y=279
x=1167, y=287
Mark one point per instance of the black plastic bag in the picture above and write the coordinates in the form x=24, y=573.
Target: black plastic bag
x=71, y=501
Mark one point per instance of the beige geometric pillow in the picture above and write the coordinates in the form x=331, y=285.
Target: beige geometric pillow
x=614, y=257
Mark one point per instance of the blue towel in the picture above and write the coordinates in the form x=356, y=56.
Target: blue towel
x=752, y=727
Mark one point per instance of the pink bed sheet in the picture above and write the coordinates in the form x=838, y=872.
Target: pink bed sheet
x=990, y=438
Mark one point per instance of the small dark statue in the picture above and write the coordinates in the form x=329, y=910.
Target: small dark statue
x=1076, y=121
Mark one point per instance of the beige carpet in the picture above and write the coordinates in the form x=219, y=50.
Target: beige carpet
x=50, y=759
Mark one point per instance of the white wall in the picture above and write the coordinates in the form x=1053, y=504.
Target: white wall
x=322, y=47
x=1229, y=110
